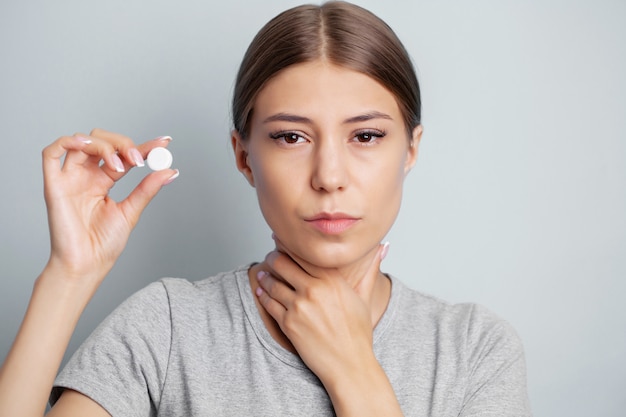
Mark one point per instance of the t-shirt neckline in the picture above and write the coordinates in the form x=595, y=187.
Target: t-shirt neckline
x=272, y=346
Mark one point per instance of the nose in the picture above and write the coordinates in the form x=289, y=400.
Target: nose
x=330, y=167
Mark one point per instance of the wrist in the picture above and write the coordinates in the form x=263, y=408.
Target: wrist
x=66, y=284
x=72, y=274
x=364, y=391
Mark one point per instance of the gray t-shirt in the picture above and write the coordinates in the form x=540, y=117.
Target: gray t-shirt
x=180, y=348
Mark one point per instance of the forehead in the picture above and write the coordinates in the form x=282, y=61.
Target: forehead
x=321, y=90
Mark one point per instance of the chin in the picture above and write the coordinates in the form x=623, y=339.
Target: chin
x=332, y=256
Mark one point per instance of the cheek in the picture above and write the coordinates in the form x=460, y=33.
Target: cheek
x=276, y=192
x=385, y=191
x=387, y=178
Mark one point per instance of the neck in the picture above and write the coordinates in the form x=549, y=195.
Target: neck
x=376, y=297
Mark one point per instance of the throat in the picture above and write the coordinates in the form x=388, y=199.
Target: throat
x=378, y=302
x=270, y=324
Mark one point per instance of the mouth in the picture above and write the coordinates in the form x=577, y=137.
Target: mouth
x=332, y=223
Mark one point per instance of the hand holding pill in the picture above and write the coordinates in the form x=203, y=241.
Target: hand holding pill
x=88, y=228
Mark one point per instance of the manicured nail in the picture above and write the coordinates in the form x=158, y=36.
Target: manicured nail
x=137, y=158
x=383, y=253
x=117, y=163
x=260, y=275
x=259, y=291
x=168, y=138
x=172, y=178
x=83, y=140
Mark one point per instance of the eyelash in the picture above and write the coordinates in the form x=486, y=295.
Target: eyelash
x=373, y=135
x=283, y=135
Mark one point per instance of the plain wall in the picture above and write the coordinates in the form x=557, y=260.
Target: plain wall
x=517, y=202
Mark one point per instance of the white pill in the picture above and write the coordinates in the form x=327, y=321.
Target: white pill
x=159, y=159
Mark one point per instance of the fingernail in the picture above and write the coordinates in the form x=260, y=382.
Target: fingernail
x=137, y=158
x=172, y=178
x=260, y=275
x=259, y=291
x=168, y=138
x=385, y=250
x=117, y=163
x=83, y=140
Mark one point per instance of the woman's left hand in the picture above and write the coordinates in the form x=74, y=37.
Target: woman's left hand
x=328, y=321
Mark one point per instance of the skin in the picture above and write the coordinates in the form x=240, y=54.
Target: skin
x=320, y=294
x=326, y=139
x=88, y=231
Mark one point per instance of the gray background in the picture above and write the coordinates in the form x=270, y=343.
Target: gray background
x=517, y=201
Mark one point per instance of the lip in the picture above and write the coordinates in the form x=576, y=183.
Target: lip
x=332, y=223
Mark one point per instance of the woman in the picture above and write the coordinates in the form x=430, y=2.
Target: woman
x=326, y=116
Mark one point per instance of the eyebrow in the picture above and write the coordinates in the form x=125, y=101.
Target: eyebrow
x=294, y=118
x=367, y=116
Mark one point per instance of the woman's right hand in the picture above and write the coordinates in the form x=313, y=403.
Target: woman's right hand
x=88, y=229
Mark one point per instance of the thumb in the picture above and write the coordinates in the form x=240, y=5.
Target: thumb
x=138, y=199
x=365, y=286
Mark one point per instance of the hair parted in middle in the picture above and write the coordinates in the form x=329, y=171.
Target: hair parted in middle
x=342, y=33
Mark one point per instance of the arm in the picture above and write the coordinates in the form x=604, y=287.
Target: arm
x=365, y=391
x=88, y=232
x=330, y=324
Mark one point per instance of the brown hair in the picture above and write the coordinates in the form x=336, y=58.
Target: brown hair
x=342, y=33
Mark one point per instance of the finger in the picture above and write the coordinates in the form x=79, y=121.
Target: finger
x=54, y=153
x=366, y=285
x=137, y=156
x=96, y=150
x=113, y=137
x=283, y=266
x=273, y=307
x=300, y=262
x=125, y=150
x=146, y=147
x=80, y=157
x=125, y=145
x=122, y=144
x=279, y=245
x=276, y=289
x=118, y=152
x=138, y=199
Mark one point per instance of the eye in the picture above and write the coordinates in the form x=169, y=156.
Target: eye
x=288, y=137
x=368, y=136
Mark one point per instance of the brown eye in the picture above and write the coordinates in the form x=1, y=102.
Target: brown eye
x=365, y=137
x=368, y=136
x=289, y=138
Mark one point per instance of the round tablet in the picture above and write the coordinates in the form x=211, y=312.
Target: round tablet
x=159, y=159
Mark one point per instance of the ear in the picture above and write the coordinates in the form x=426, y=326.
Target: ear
x=241, y=156
x=412, y=152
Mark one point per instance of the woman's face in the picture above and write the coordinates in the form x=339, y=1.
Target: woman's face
x=327, y=153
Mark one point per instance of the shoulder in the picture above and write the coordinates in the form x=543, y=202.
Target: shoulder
x=467, y=333
x=470, y=322
x=222, y=280
x=471, y=348
x=157, y=305
x=180, y=290
x=187, y=294
x=132, y=347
